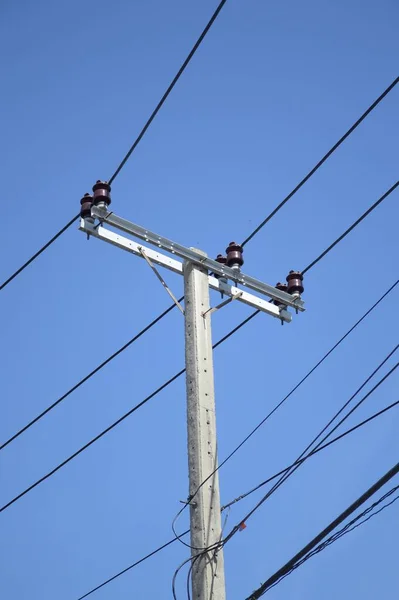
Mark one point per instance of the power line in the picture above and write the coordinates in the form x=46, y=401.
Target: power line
x=95, y=439
x=322, y=161
x=115, y=423
x=308, y=374
x=135, y=564
x=359, y=220
x=312, y=453
x=39, y=252
x=323, y=534
x=169, y=89
x=298, y=463
x=346, y=529
x=134, y=145
x=353, y=524
x=87, y=377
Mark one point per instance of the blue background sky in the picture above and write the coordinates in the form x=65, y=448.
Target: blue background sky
x=271, y=89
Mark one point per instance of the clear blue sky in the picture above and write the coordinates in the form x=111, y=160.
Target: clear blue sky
x=271, y=89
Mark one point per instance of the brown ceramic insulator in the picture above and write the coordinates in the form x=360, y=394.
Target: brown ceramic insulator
x=283, y=288
x=85, y=206
x=294, y=281
x=234, y=255
x=222, y=260
x=101, y=193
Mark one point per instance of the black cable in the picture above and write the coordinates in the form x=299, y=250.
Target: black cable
x=97, y=437
x=299, y=462
x=323, y=534
x=42, y=249
x=135, y=564
x=170, y=88
x=347, y=529
x=359, y=220
x=354, y=524
x=312, y=453
x=135, y=144
x=322, y=161
x=308, y=374
x=87, y=377
x=122, y=418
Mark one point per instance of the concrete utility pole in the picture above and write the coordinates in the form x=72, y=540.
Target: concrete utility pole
x=205, y=519
x=208, y=581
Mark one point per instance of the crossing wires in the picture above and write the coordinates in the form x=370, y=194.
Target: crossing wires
x=323, y=534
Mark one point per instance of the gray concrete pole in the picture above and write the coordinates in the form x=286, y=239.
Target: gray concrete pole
x=205, y=520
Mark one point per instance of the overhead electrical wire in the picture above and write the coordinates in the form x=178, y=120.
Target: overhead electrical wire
x=312, y=453
x=358, y=521
x=39, y=252
x=359, y=220
x=135, y=564
x=134, y=145
x=298, y=461
x=322, y=160
x=323, y=534
x=92, y=441
x=169, y=89
x=115, y=423
x=87, y=377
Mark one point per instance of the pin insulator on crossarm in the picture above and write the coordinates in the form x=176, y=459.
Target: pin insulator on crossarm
x=85, y=206
x=234, y=256
x=294, y=283
x=101, y=194
x=222, y=260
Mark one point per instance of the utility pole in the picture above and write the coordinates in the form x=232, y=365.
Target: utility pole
x=200, y=274
x=205, y=519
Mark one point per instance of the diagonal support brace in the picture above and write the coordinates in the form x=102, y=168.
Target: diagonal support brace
x=224, y=303
x=161, y=279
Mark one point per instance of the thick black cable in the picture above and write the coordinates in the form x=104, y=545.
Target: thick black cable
x=135, y=564
x=134, y=145
x=284, y=477
x=87, y=377
x=323, y=534
x=359, y=220
x=95, y=439
x=39, y=252
x=308, y=374
x=345, y=530
x=169, y=89
x=122, y=418
x=312, y=453
x=322, y=161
